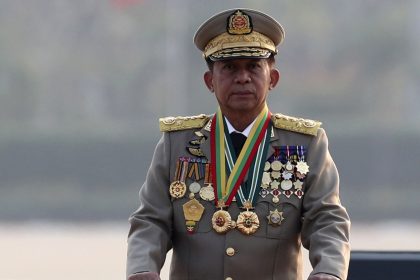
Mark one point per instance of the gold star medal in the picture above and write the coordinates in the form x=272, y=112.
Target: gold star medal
x=275, y=218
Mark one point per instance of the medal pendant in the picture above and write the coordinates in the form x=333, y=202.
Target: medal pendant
x=276, y=165
x=289, y=166
x=302, y=167
x=266, y=179
x=274, y=185
x=193, y=210
x=275, y=194
x=298, y=185
x=275, y=218
x=300, y=175
x=247, y=222
x=299, y=193
x=286, y=185
x=194, y=187
x=191, y=225
x=177, y=189
x=288, y=193
x=222, y=221
x=275, y=174
x=287, y=175
x=207, y=193
x=264, y=193
x=267, y=166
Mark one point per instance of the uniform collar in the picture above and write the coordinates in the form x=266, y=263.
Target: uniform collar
x=246, y=131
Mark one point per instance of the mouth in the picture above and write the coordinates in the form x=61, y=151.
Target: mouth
x=242, y=93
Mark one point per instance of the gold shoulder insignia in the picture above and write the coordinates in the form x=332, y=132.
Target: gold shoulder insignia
x=181, y=123
x=300, y=125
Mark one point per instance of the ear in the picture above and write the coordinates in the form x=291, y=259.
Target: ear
x=274, y=77
x=208, y=80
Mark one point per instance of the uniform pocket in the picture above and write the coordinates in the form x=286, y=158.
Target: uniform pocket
x=284, y=220
x=204, y=225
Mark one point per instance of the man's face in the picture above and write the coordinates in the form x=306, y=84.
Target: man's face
x=241, y=85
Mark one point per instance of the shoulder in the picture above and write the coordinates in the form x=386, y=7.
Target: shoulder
x=183, y=123
x=295, y=124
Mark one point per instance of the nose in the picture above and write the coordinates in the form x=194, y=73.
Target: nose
x=242, y=76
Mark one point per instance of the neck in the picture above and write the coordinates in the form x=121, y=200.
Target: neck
x=240, y=121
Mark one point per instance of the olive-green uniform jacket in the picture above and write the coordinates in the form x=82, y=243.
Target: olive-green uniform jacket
x=317, y=220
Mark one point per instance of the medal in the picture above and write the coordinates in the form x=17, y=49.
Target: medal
x=287, y=193
x=194, y=187
x=302, y=167
x=264, y=193
x=222, y=221
x=275, y=174
x=266, y=179
x=275, y=218
x=193, y=210
x=287, y=175
x=300, y=175
x=275, y=193
x=286, y=185
x=299, y=193
x=276, y=165
x=298, y=185
x=267, y=166
x=247, y=221
x=274, y=185
x=177, y=188
x=207, y=192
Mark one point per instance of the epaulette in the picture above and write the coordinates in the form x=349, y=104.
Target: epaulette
x=181, y=123
x=300, y=125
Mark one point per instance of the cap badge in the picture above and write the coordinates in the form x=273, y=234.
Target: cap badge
x=239, y=23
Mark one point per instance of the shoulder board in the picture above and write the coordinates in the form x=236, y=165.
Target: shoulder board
x=181, y=123
x=300, y=125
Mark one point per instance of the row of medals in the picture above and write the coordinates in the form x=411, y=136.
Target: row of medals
x=277, y=179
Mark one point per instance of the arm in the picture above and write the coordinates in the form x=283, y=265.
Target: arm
x=326, y=225
x=149, y=238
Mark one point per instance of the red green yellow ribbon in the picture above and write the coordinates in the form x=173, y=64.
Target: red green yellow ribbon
x=226, y=188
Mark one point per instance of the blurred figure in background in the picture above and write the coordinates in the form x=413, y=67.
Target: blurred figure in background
x=236, y=194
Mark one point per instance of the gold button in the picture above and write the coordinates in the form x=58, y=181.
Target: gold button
x=230, y=252
x=229, y=278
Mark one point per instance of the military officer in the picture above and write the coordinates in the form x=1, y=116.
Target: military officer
x=236, y=194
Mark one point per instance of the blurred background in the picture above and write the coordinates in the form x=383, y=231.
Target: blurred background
x=83, y=83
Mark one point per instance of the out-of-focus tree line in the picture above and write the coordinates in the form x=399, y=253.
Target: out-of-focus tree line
x=83, y=83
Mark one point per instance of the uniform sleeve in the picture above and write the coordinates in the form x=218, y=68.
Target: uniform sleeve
x=149, y=237
x=326, y=225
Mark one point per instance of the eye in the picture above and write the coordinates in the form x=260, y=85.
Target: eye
x=227, y=66
x=254, y=65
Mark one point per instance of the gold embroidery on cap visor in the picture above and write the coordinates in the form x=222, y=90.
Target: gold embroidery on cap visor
x=226, y=45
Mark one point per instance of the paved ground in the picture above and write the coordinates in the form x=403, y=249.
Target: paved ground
x=48, y=251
